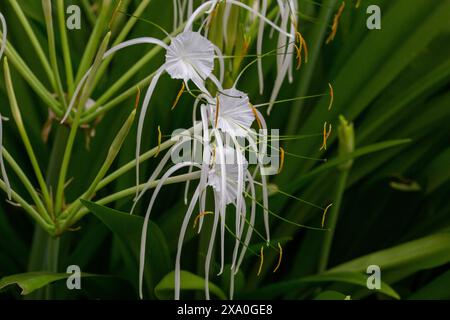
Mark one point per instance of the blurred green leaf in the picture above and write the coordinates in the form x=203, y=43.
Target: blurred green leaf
x=331, y=295
x=404, y=259
x=32, y=281
x=189, y=281
x=128, y=229
x=355, y=278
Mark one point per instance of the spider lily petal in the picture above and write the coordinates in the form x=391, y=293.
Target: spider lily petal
x=184, y=225
x=211, y=4
x=125, y=44
x=147, y=217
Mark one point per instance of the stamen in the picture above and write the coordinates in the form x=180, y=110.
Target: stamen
x=255, y=114
x=261, y=255
x=217, y=112
x=159, y=143
x=302, y=45
x=357, y=4
x=305, y=46
x=331, y=96
x=201, y=214
x=280, y=256
x=326, y=134
x=298, y=56
x=334, y=27
x=138, y=97
x=281, y=160
x=324, y=214
x=178, y=96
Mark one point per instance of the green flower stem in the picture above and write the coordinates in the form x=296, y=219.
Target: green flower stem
x=65, y=47
x=15, y=110
x=34, y=41
x=132, y=191
x=75, y=124
x=346, y=146
x=29, y=209
x=332, y=221
x=89, y=52
x=28, y=185
x=31, y=79
x=52, y=262
x=47, y=8
x=147, y=155
x=116, y=145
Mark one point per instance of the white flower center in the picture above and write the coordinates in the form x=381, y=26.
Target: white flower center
x=190, y=56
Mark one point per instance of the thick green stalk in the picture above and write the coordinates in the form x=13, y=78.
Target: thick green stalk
x=65, y=47
x=15, y=110
x=52, y=258
x=34, y=41
x=75, y=124
x=47, y=8
x=346, y=136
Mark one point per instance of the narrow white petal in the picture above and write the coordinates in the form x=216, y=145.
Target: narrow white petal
x=184, y=225
x=142, y=114
x=146, y=220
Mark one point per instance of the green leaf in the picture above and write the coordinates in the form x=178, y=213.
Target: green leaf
x=189, y=281
x=128, y=229
x=331, y=295
x=352, y=278
x=356, y=278
x=404, y=259
x=302, y=179
x=436, y=289
x=32, y=281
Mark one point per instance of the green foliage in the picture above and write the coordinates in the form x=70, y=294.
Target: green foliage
x=391, y=84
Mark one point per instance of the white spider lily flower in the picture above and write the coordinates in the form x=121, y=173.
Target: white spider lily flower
x=235, y=114
x=190, y=56
x=222, y=168
x=2, y=165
